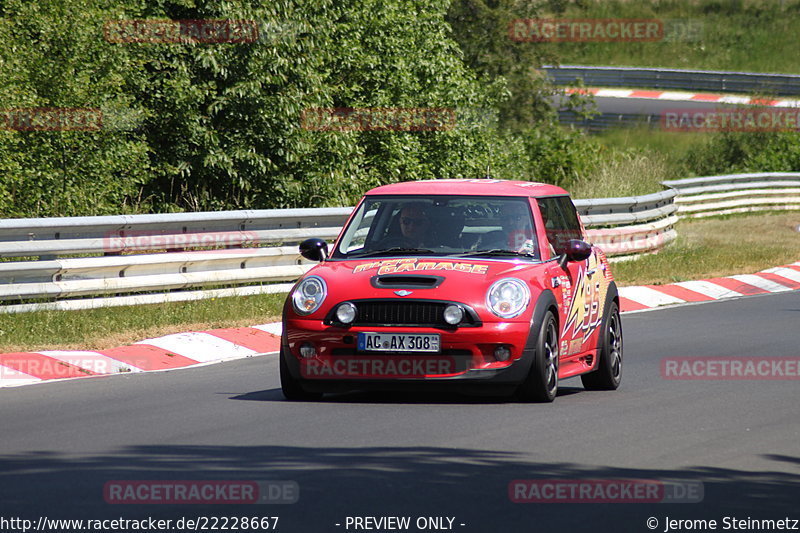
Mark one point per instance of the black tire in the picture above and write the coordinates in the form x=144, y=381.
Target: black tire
x=609, y=368
x=541, y=384
x=292, y=388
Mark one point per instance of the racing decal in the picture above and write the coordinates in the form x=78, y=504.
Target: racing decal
x=574, y=347
x=566, y=291
x=566, y=288
x=604, y=265
x=395, y=266
x=585, y=311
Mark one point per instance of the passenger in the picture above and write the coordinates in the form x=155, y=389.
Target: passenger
x=517, y=233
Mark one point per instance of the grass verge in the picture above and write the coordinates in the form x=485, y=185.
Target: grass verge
x=634, y=161
x=719, y=246
x=753, y=35
x=98, y=329
x=705, y=248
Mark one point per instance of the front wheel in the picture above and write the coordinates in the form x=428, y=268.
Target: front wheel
x=541, y=385
x=609, y=368
x=292, y=388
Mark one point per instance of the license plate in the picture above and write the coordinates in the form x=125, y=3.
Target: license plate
x=398, y=342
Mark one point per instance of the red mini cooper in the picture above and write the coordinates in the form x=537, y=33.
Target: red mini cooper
x=477, y=285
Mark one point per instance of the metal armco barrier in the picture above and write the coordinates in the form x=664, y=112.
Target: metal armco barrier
x=630, y=225
x=141, y=259
x=664, y=78
x=736, y=193
x=125, y=255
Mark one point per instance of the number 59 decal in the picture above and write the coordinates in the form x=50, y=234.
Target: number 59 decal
x=584, y=313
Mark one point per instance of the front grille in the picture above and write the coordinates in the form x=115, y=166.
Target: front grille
x=405, y=313
x=421, y=313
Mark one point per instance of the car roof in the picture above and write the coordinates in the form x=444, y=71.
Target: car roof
x=476, y=187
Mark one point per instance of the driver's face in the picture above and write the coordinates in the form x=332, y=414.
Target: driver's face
x=414, y=223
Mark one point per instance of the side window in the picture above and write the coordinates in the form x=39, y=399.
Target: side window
x=560, y=221
x=358, y=234
x=571, y=223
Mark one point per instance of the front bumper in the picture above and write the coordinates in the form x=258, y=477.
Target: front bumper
x=466, y=357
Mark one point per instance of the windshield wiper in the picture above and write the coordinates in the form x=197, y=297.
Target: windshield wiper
x=496, y=251
x=396, y=250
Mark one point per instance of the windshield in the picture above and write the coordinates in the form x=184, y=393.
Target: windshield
x=440, y=225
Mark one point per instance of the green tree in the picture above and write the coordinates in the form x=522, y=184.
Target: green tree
x=225, y=119
x=53, y=56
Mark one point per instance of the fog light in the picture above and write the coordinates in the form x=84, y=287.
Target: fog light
x=502, y=353
x=453, y=314
x=346, y=313
x=307, y=350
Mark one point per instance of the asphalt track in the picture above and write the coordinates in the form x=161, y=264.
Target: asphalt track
x=646, y=106
x=427, y=455
x=651, y=106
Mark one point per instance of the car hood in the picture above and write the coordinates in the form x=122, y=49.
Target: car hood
x=461, y=279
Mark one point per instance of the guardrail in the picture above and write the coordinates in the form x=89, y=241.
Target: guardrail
x=231, y=253
x=138, y=259
x=664, y=78
x=736, y=193
x=623, y=227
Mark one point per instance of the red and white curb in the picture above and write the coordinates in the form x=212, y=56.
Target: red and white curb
x=779, y=279
x=195, y=348
x=179, y=350
x=680, y=96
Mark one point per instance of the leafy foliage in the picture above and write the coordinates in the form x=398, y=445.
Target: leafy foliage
x=193, y=125
x=52, y=58
x=732, y=152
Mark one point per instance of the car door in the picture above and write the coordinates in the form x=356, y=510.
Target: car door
x=581, y=283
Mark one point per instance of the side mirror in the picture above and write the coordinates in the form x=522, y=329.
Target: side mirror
x=314, y=249
x=576, y=250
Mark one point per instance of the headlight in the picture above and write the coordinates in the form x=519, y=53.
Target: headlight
x=309, y=295
x=453, y=314
x=346, y=313
x=508, y=297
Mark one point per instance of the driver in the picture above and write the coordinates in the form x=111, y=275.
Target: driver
x=414, y=225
